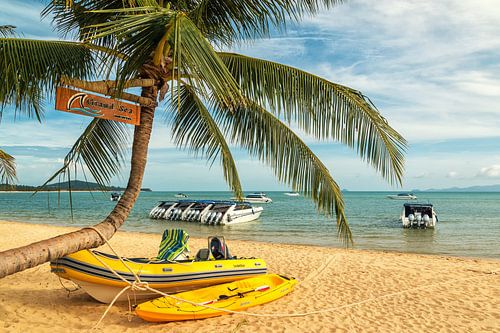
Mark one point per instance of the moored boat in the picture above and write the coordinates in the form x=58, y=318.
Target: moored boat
x=402, y=196
x=259, y=197
x=234, y=296
x=211, y=212
x=418, y=215
x=115, y=196
x=292, y=194
x=89, y=270
x=180, y=195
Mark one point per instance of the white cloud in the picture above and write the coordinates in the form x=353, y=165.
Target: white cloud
x=490, y=172
x=452, y=174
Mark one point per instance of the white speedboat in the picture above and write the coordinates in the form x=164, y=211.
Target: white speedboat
x=115, y=196
x=231, y=212
x=402, y=196
x=256, y=198
x=292, y=194
x=418, y=215
x=180, y=195
x=206, y=211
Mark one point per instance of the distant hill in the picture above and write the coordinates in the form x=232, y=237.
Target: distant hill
x=484, y=188
x=76, y=185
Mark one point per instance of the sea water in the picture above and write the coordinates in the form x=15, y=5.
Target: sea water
x=469, y=223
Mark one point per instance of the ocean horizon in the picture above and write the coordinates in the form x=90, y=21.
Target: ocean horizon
x=469, y=222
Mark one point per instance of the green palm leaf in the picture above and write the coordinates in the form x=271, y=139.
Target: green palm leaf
x=7, y=168
x=101, y=147
x=323, y=109
x=139, y=32
x=194, y=128
x=32, y=68
x=267, y=137
x=7, y=30
x=229, y=21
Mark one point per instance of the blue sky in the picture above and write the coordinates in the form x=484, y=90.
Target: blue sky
x=431, y=67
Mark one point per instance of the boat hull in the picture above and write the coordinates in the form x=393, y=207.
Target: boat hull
x=100, y=283
x=238, y=296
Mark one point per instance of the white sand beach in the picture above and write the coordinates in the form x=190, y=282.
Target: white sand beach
x=366, y=291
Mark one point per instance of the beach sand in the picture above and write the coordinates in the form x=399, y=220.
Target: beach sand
x=367, y=291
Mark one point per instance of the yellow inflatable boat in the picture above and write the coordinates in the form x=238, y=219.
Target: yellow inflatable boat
x=100, y=283
x=234, y=296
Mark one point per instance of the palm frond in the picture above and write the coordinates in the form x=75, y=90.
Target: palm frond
x=321, y=108
x=32, y=68
x=273, y=142
x=194, y=128
x=228, y=21
x=101, y=147
x=141, y=30
x=7, y=30
x=7, y=168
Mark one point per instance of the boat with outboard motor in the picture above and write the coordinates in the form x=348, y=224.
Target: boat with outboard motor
x=115, y=196
x=292, y=194
x=214, y=265
x=259, y=197
x=402, y=196
x=418, y=215
x=206, y=211
x=180, y=195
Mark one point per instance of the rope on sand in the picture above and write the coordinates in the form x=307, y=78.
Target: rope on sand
x=143, y=286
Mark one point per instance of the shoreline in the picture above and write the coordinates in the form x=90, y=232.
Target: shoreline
x=370, y=291
x=442, y=255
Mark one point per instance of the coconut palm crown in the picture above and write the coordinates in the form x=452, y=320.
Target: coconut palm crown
x=213, y=99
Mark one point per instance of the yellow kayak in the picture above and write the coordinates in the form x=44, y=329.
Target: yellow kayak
x=170, y=277
x=234, y=296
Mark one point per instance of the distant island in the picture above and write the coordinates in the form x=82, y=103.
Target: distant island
x=484, y=188
x=76, y=185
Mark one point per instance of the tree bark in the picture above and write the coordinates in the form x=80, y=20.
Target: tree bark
x=19, y=259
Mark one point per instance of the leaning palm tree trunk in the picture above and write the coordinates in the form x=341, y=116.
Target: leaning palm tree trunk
x=19, y=259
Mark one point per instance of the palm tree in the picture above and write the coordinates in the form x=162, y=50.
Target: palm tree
x=167, y=48
x=7, y=168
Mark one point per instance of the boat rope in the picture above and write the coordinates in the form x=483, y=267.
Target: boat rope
x=143, y=286
x=319, y=270
x=75, y=287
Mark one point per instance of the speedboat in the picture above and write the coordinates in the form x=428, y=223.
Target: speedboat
x=231, y=212
x=211, y=266
x=206, y=211
x=256, y=198
x=402, y=196
x=418, y=215
x=292, y=194
x=115, y=196
x=180, y=195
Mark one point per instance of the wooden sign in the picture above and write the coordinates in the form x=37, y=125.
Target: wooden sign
x=79, y=102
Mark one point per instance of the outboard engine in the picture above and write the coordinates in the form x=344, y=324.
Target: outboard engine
x=212, y=217
x=170, y=214
x=218, y=217
x=154, y=214
x=426, y=220
x=418, y=220
x=411, y=218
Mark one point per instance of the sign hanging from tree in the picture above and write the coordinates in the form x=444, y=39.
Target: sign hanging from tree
x=79, y=102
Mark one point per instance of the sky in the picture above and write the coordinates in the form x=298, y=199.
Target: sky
x=431, y=67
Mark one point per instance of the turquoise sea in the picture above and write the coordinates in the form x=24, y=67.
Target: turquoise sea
x=469, y=223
